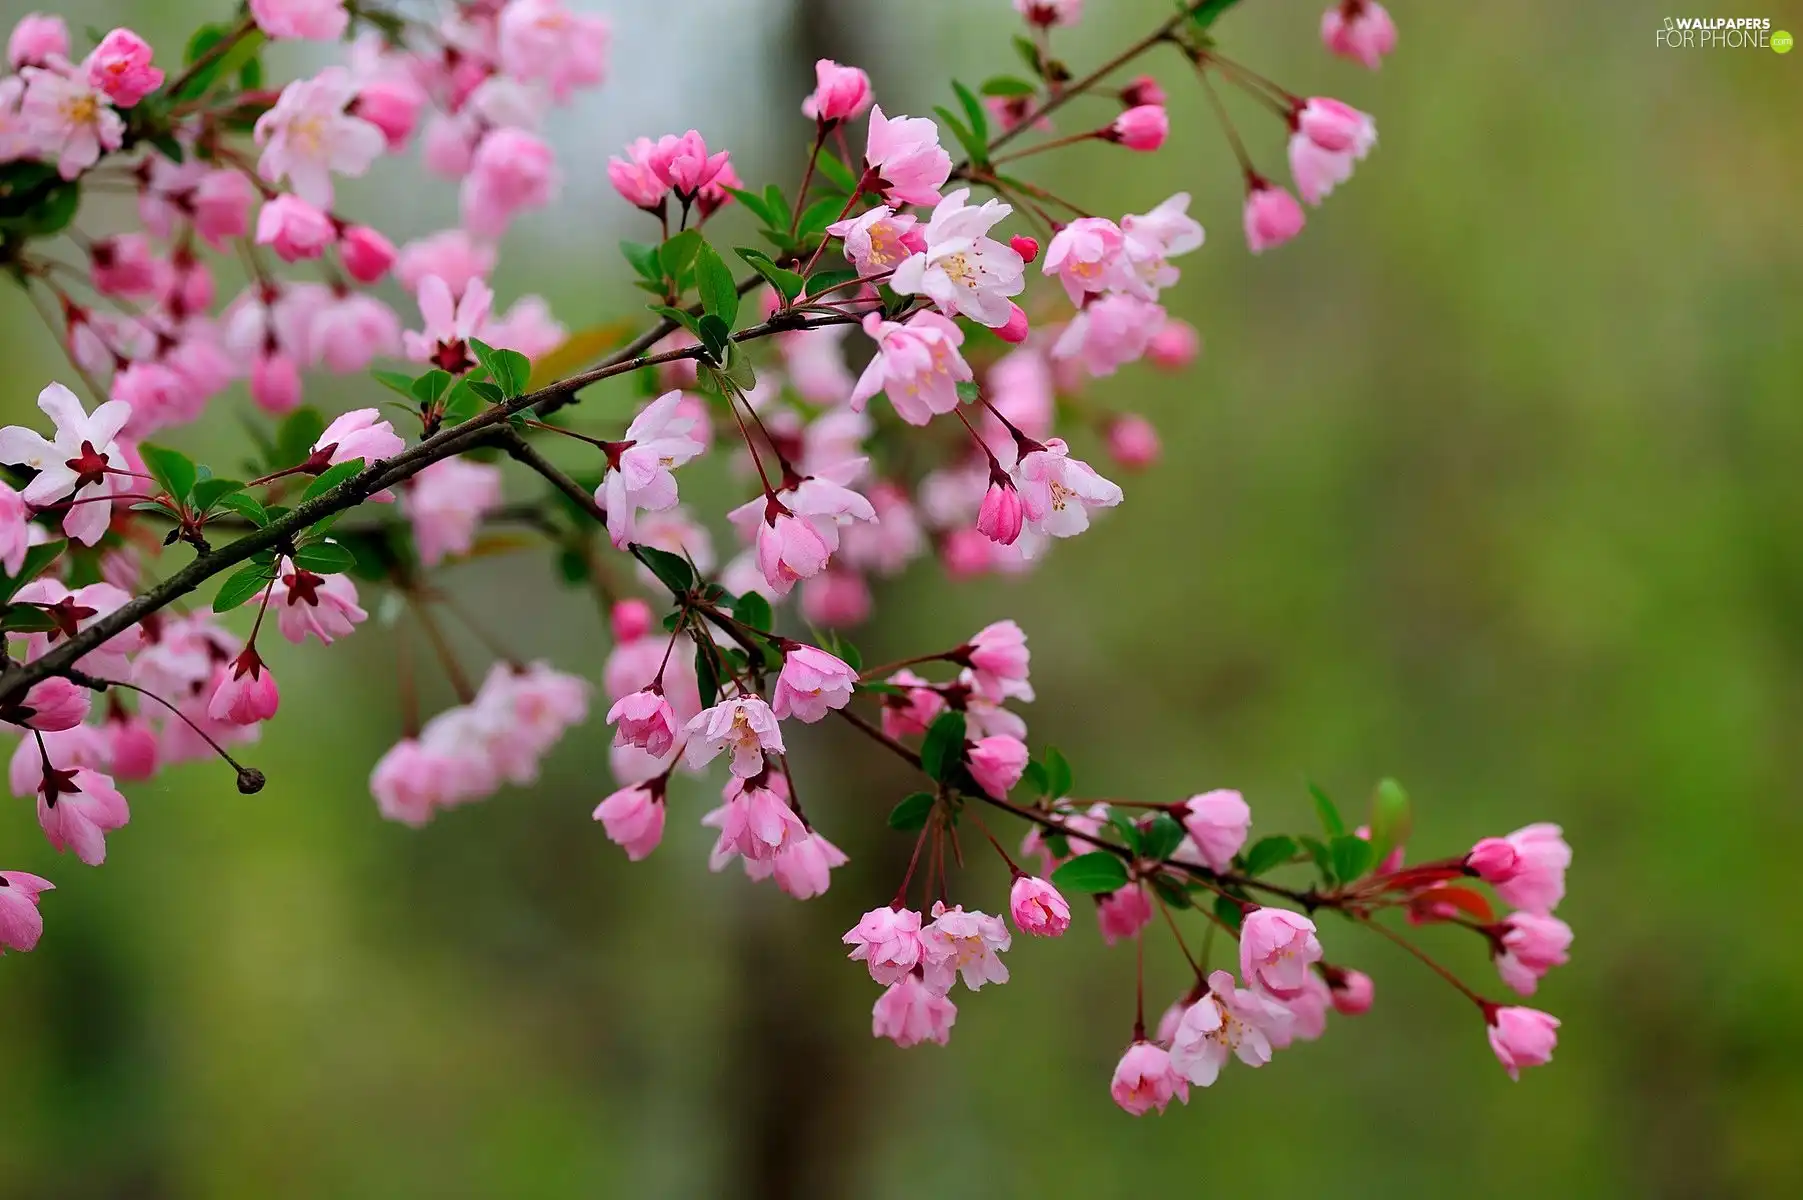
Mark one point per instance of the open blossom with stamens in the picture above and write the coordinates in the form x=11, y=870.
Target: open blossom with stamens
x=1522, y=1037
x=634, y=819
x=69, y=119
x=1057, y=492
x=812, y=684
x=322, y=606
x=905, y=153
x=1531, y=945
x=887, y=940
x=967, y=944
x=308, y=137
x=1229, y=1020
x=1150, y=240
x=1329, y=138
x=1217, y=822
x=1277, y=947
x=77, y=808
x=910, y=1013
x=1527, y=868
x=743, y=725
x=655, y=444
x=963, y=270
x=1144, y=1079
x=645, y=720
x=879, y=239
x=1359, y=30
x=21, y=924
x=1085, y=256
x=76, y=460
x=917, y=365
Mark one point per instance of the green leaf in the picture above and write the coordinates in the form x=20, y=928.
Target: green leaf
x=171, y=468
x=332, y=477
x=778, y=204
x=428, y=388
x=231, y=63
x=1124, y=825
x=240, y=586
x=27, y=618
x=943, y=750
x=1095, y=873
x=719, y=293
x=716, y=335
x=36, y=559
x=912, y=813
x=1205, y=14
x=511, y=370
x=783, y=280
x=1330, y=815
x=207, y=493
x=246, y=506
x=299, y=430
x=35, y=201
x=1269, y=852
x=821, y=281
x=1058, y=774
x=849, y=654
x=707, y=674
x=753, y=610
x=977, y=152
x=754, y=204
x=1162, y=838
x=1352, y=857
x=1034, y=776
x=979, y=116
x=1228, y=909
x=325, y=558
x=837, y=173
x=672, y=570
x=487, y=391
x=686, y=319
x=818, y=215
x=1171, y=892
x=1008, y=86
x=398, y=381
x=645, y=260
x=1392, y=820
x=1321, y=853
x=1029, y=54
x=677, y=255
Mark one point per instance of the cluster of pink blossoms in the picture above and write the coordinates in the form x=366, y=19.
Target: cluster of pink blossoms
x=918, y=240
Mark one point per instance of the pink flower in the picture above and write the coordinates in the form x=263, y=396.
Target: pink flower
x=1109, y=333
x=294, y=228
x=812, y=684
x=1151, y=239
x=905, y=153
x=120, y=67
x=1085, y=256
x=630, y=620
x=1132, y=441
x=1352, y=992
x=996, y=763
x=963, y=270
x=1272, y=216
x=1038, y=908
x=53, y=705
x=1144, y=1079
x=641, y=477
x=313, y=20
x=352, y=331
x=540, y=39
x=308, y=136
x=917, y=365
x=1277, y=947
x=879, y=239
x=69, y=119
x=449, y=324
x=790, y=549
x=1058, y=492
x=835, y=599
x=1000, y=517
x=1329, y=138
x=684, y=165
x=1123, y=913
x=77, y=460
x=222, y=203
x=967, y=944
x=635, y=178
x=1217, y=822
x=1142, y=127
x=634, y=819
x=366, y=254
x=1530, y=946
x=21, y=925
x=446, y=505
x=1359, y=30
x=452, y=255
x=743, y=725
x=15, y=529
x=999, y=660
x=646, y=720
x=1228, y=1022
x=392, y=105
x=410, y=782
x=275, y=382
x=246, y=691
x=909, y=714
x=37, y=40
x=513, y=171
x=77, y=809
x=887, y=940
x=1522, y=1037
x=1175, y=346
x=840, y=93
x=1047, y=13
x=132, y=746
x=803, y=867
x=909, y=1014
x=127, y=266
x=321, y=606
x=1142, y=89
x=360, y=433
x=1527, y=868
x=1305, y=1013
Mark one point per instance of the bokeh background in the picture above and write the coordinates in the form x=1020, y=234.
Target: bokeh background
x=1489, y=482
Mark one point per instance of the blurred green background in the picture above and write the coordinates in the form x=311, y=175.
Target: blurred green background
x=1489, y=482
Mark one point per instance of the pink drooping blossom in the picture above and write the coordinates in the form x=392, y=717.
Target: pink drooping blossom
x=1085, y=256
x=1109, y=332
x=1142, y=127
x=1359, y=30
x=909, y=1013
x=904, y=152
x=1217, y=822
x=411, y=782
x=308, y=137
x=646, y=720
x=365, y=252
x=1277, y=947
x=78, y=460
x=132, y=752
x=37, y=41
x=321, y=606
x=744, y=726
x=1175, y=346
x=21, y=924
x=963, y=944
x=812, y=684
x=1229, y=1021
x=1530, y=946
x=310, y=20
x=888, y=941
x=840, y=93
x=294, y=229
x=803, y=867
x=1527, y=868
x=634, y=819
x=1522, y=1037
x=1144, y=1079
x=1123, y=913
x=1353, y=992
x=77, y=808
x=1132, y=441
x=120, y=66
x=917, y=365
x=1272, y=216
x=999, y=661
x=1058, y=492
x=996, y=763
x=1329, y=138
x=879, y=239
x=51, y=706
x=246, y=692
x=963, y=270
x=1038, y=908
x=541, y=40
x=656, y=443
x=513, y=171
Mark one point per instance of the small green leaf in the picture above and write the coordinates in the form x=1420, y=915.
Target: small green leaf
x=1228, y=909
x=672, y=570
x=783, y=280
x=246, y=506
x=719, y=293
x=299, y=432
x=1169, y=890
x=707, y=674
x=332, y=477
x=428, y=388
x=463, y=402
x=677, y=255
x=27, y=618
x=1058, y=774
x=1095, y=873
x=687, y=320
x=1330, y=815
x=171, y=468
x=943, y=750
x=753, y=610
x=716, y=335
x=207, y=493
x=240, y=586
x=818, y=215
x=1008, y=86
x=837, y=173
x=1269, y=852
x=36, y=559
x=1029, y=54
x=644, y=259
x=979, y=117
x=1352, y=857
x=976, y=151
x=912, y=813
x=778, y=204
x=1124, y=825
x=325, y=558
x=1392, y=820
x=510, y=369
x=1321, y=853
x=1034, y=776
x=754, y=204
x=398, y=381
x=1162, y=838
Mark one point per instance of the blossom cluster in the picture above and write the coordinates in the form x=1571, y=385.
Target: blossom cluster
x=934, y=324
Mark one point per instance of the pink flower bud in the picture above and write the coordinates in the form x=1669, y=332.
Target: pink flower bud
x=1026, y=247
x=631, y=620
x=1142, y=90
x=840, y=93
x=1142, y=128
x=20, y=922
x=275, y=383
x=634, y=819
x=1123, y=913
x=996, y=763
x=965, y=554
x=1175, y=346
x=1352, y=993
x=391, y=105
x=1133, y=442
x=51, y=706
x=245, y=692
x=1493, y=860
x=1359, y=30
x=366, y=253
x=1038, y=908
x=120, y=67
x=645, y=720
x=887, y=940
x=294, y=228
x=1272, y=216
x=222, y=204
x=1014, y=330
x=37, y=39
x=1145, y=1079
x=1000, y=517
x=1522, y=1037
x=1217, y=822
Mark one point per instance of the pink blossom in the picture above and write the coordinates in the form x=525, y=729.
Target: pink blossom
x=1000, y=517
x=410, y=782
x=1174, y=346
x=1229, y=1021
x=352, y=331
x=909, y=1014
x=1109, y=333
x=1305, y=1013
x=917, y=365
x=967, y=944
x=512, y=171
x=294, y=228
x=909, y=714
x=51, y=705
x=69, y=119
x=1527, y=868
x=1359, y=30
x=635, y=178
x=1085, y=256
x=1047, y=13
x=1150, y=240
x=21, y=925
x=1272, y=216
x=1522, y=1037
x=1058, y=492
x=812, y=684
x=538, y=703
x=743, y=725
x=1352, y=992
x=77, y=809
x=222, y=203
x=1142, y=89
x=313, y=20
x=392, y=105
x=360, y=433
x=1132, y=441
x=1277, y=947
x=120, y=66
x=888, y=941
x=641, y=477
x=840, y=93
x=996, y=763
x=275, y=382
x=1329, y=138
x=449, y=324
x=634, y=819
x=835, y=599
x=1038, y=908
x=245, y=692
x=683, y=164
x=307, y=137
x=963, y=270
x=452, y=255
x=1123, y=913
x=1142, y=127
x=15, y=529
x=646, y=720
x=999, y=661
x=905, y=153
x=1144, y=1079
x=528, y=327
x=446, y=504
x=321, y=606
x=82, y=439
x=542, y=40
x=630, y=620
x=879, y=239
x=131, y=746
x=366, y=254
x=790, y=549
x=803, y=868
x=127, y=266
x=1218, y=823
x=1530, y=946
x=37, y=41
